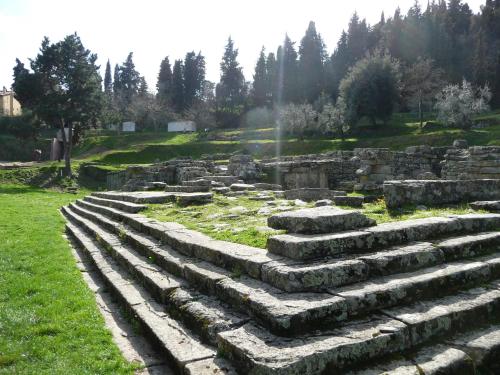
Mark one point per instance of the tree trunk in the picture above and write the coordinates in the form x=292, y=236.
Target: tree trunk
x=420, y=113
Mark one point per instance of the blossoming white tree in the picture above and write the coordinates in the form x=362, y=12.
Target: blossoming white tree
x=457, y=104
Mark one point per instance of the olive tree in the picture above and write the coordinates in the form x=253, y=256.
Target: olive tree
x=457, y=104
x=298, y=119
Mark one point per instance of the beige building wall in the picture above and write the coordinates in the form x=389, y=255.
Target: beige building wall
x=9, y=106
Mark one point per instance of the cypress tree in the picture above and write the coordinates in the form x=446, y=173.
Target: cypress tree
x=164, y=83
x=108, y=84
x=260, y=81
x=194, y=76
x=231, y=88
x=288, y=72
x=178, y=86
x=311, y=64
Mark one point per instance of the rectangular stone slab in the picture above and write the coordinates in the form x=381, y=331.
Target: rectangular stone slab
x=319, y=220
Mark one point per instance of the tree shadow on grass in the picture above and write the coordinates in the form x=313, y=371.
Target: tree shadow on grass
x=19, y=189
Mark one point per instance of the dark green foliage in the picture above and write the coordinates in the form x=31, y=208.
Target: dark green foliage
x=178, y=86
x=287, y=80
x=164, y=84
x=63, y=88
x=116, y=79
x=127, y=82
x=108, y=83
x=261, y=93
x=24, y=127
x=194, y=76
x=371, y=89
x=311, y=64
x=231, y=90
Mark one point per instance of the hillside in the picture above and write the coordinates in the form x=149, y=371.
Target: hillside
x=401, y=132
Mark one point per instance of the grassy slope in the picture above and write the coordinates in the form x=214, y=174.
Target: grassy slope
x=148, y=147
x=49, y=321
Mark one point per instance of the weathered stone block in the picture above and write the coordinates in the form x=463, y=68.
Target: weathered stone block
x=319, y=220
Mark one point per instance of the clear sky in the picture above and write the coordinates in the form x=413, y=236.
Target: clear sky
x=153, y=29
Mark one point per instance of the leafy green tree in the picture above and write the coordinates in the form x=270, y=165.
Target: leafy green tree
x=165, y=84
x=261, y=88
x=288, y=88
x=272, y=76
x=338, y=65
x=311, y=64
x=178, y=86
x=371, y=88
x=129, y=80
x=116, y=80
x=142, y=88
x=422, y=81
x=231, y=90
x=63, y=88
x=108, y=83
x=194, y=76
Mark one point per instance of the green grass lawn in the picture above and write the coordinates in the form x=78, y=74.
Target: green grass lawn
x=49, y=321
x=402, y=131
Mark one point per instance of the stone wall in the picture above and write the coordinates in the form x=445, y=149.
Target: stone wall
x=438, y=192
x=173, y=172
x=472, y=163
x=244, y=167
x=331, y=170
x=380, y=164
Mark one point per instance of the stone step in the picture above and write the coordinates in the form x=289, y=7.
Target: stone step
x=199, y=182
x=121, y=205
x=186, y=199
x=187, y=188
x=300, y=246
x=205, y=315
x=335, y=272
x=256, y=350
x=351, y=201
x=319, y=220
x=294, y=276
x=242, y=187
x=137, y=196
x=312, y=194
x=482, y=346
x=181, y=347
x=156, y=185
x=228, y=255
x=226, y=180
x=436, y=359
x=267, y=186
x=492, y=206
x=287, y=313
x=274, y=308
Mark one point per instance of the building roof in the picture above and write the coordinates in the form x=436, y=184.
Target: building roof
x=4, y=92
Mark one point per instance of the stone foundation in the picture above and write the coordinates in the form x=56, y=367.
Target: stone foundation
x=438, y=192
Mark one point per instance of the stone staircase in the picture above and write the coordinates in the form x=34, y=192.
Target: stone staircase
x=410, y=297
